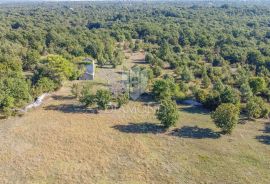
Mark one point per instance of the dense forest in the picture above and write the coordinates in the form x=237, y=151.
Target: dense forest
x=215, y=54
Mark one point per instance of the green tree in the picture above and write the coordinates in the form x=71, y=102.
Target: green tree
x=167, y=113
x=101, y=61
x=187, y=74
x=7, y=105
x=103, y=98
x=122, y=99
x=87, y=97
x=226, y=117
x=254, y=57
x=30, y=60
x=75, y=90
x=118, y=58
x=246, y=92
x=164, y=50
x=219, y=86
x=257, y=84
x=44, y=85
x=206, y=82
x=256, y=108
x=230, y=95
x=56, y=68
x=164, y=88
x=157, y=70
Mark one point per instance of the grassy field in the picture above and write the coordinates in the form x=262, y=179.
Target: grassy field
x=61, y=142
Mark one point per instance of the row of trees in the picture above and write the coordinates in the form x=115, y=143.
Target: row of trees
x=224, y=100
x=103, y=98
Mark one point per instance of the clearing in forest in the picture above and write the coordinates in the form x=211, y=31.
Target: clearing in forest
x=60, y=142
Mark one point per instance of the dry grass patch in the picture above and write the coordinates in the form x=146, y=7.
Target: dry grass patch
x=127, y=146
x=62, y=143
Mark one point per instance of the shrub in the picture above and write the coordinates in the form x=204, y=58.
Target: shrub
x=103, y=98
x=164, y=88
x=16, y=88
x=118, y=58
x=257, y=84
x=57, y=69
x=184, y=87
x=226, y=117
x=30, y=60
x=187, y=74
x=75, y=90
x=157, y=70
x=230, y=95
x=44, y=85
x=219, y=86
x=212, y=100
x=256, y=108
x=87, y=97
x=246, y=91
x=7, y=105
x=167, y=113
x=201, y=95
x=122, y=99
x=206, y=82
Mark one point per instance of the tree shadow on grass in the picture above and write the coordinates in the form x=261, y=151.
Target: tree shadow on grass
x=139, y=61
x=195, y=133
x=140, y=128
x=195, y=110
x=243, y=119
x=265, y=139
x=59, y=97
x=70, y=108
x=147, y=100
x=266, y=128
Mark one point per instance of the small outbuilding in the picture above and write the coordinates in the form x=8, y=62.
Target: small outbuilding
x=89, y=65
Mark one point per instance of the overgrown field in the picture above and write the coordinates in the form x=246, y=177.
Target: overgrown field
x=61, y=143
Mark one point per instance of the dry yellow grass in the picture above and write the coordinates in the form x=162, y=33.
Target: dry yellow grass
x=62, y=143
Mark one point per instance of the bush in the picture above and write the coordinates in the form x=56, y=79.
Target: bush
x=206, y=82
x=200, y=95
x=57, y=69
x=75, y=90
x=30, y=60
x=230, y=95
x=256, y=108
x=44, y=85
x=187, y=74
x=118, y=58
x=167, y=113
x=219, y=86
x=226, y=117
x=212, y=100
x=246, y=92
x=157, y=71
x=122, y=100
x=103, y=98
x=87, y=97
x=257, y=84
x=16, y=88
x=7, y=105
x=164, y=88
x=184, y=87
